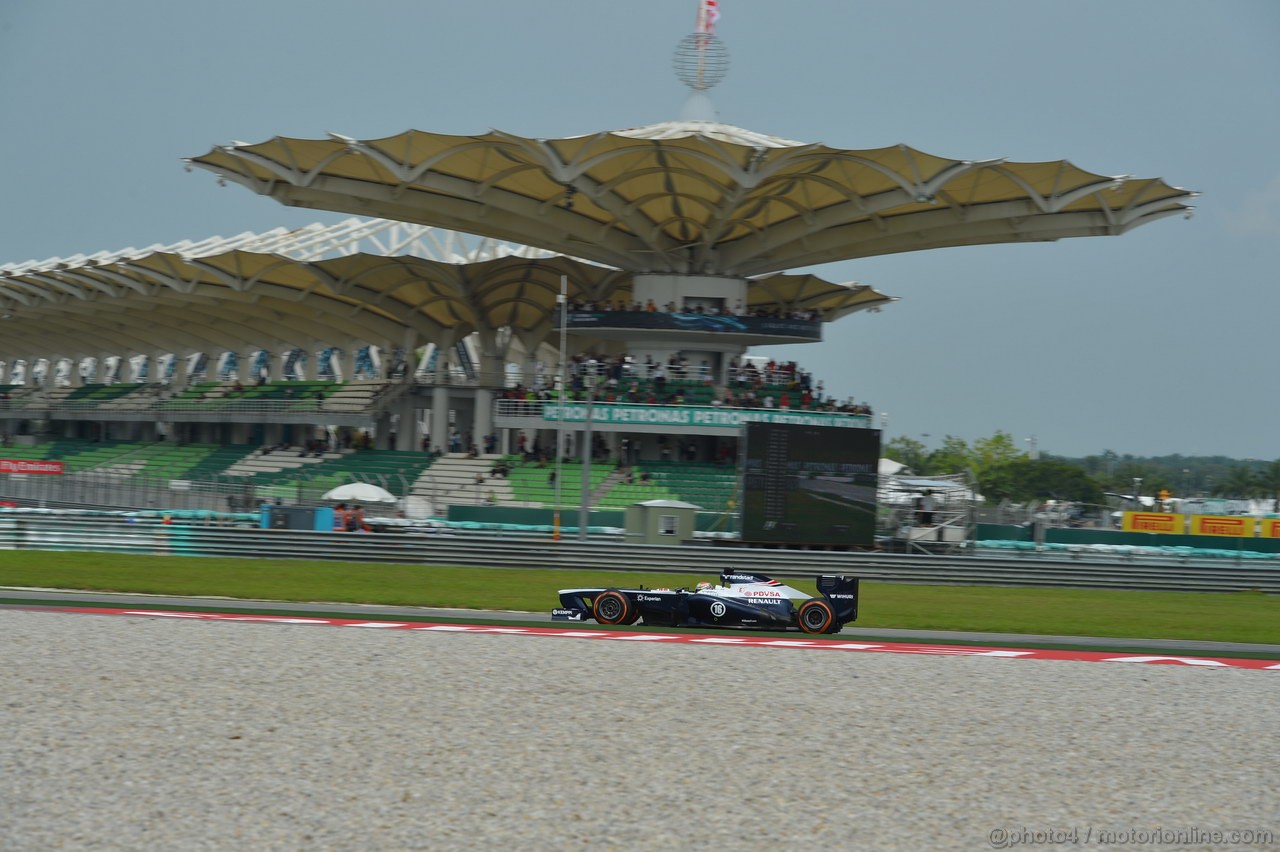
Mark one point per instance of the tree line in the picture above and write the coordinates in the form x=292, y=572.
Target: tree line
x=1004, y=471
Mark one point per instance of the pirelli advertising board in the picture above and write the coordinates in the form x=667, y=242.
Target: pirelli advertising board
x=1235, y=526
x=1231, y=526
x=1152, y=522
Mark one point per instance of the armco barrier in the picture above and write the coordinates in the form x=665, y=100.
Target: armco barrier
x=1118, y=538
x=484, y=550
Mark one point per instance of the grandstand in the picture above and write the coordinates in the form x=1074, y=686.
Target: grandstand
x=534, y=485
x=305, y=476
x=417, y=358
x=665, y=423
x=711, y=486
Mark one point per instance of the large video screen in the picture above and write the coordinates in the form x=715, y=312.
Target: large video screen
x=810, y=485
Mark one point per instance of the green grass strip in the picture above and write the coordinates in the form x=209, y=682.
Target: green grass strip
x=1249, y=617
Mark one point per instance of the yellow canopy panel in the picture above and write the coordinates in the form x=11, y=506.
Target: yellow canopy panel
x=693, y=196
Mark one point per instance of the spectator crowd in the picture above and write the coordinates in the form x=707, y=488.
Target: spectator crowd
x=622, y=378
x=649, y=306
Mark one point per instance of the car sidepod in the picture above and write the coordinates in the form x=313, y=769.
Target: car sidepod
x=665, y=607
x=727, y=611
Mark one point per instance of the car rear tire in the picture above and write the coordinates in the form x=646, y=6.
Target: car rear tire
x=613, y=607
x=817, y=616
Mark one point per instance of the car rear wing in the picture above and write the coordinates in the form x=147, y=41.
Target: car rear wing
x=842, y=593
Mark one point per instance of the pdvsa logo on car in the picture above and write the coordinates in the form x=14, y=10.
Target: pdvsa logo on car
x=762, y=593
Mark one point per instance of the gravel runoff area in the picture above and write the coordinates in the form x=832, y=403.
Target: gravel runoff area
x=141, y=733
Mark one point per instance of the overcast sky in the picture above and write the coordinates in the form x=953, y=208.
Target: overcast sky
x=1160, y=341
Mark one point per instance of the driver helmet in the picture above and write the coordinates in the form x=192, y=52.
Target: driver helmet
x=704, y=586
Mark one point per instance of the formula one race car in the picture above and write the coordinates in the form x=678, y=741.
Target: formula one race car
x=741, y=600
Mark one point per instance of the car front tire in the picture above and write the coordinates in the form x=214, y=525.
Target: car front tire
x=613, y=607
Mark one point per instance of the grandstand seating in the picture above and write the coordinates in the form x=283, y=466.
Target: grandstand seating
x=75, y=454
x=452, y=480
x=336, y=397
x=301, y=395
x=163, y=460
x=105, y=457
x=282, y=473
x=193, y=393
x=58, y=449
x=212, y=460
x=396, y=471
x=45, y=397
x=102, y=396
x=156, y=459
x=710, y=486
x=133, y=397
x=93, y=397
x=532, y=486
x=620, y=494
x=264, y=463
x=427, y=482
x=353, y=396
x=292, y=475
x=690, y=392
x=19, y=396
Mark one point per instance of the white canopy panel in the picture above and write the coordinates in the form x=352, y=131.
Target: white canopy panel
x=287, y=289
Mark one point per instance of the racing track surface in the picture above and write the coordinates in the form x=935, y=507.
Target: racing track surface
x=10, y=596
x=162, y=732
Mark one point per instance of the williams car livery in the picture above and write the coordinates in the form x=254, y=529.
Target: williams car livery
x=741, y=600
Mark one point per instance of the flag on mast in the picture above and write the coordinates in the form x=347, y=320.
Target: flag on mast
x=708, y=14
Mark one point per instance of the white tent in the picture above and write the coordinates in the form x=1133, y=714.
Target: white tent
x=361, y=492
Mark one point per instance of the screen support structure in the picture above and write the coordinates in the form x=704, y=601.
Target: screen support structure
x=584, y=508
x=562, y=301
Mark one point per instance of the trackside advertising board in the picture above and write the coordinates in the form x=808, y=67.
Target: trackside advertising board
x=671, y=415
x=1232, y=526
x=1156, y=522
x=1236, y=526
x=809, y=485
x=30, y=466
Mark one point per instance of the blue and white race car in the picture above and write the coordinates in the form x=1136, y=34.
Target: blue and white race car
x=741, y=600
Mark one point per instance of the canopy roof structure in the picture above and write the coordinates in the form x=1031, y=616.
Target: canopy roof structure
x=295, y=288
x=695, y=197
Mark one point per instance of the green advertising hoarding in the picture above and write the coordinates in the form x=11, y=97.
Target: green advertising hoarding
x=673, y=415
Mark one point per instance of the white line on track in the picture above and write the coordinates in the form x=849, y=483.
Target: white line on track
x=817, y=644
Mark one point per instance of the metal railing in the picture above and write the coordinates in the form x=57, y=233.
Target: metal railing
x=120, y=535
x=87, y=489
x=220, y=493
x=149, y=399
